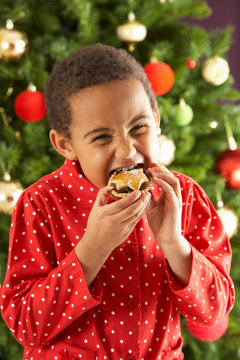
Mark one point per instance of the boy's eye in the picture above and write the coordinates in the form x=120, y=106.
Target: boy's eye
x=139, y=127
x=101, y=137
x=107, y=137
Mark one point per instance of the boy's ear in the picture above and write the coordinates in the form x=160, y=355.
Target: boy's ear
x=156, y=117
x=62, y=145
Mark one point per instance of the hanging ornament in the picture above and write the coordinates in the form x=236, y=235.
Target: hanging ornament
x=183, y=114
x=207, y=333
x=191, y=64
x=167, y=149
x=228, y=162
x=229, y=220
x=132, y=32
x=228, y=217
x=9, y=194
x=160, y=75
x=13, y=43
x=228, y=166
x=29, y=105
x=215, y=70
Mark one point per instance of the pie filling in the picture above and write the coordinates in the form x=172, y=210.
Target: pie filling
x=127, y=189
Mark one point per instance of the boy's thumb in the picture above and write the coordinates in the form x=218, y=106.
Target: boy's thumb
x=102, y=196
x=151, y=204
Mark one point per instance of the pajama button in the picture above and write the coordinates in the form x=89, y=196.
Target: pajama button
x=129, y=249
x=130, y=357
x=131, y=303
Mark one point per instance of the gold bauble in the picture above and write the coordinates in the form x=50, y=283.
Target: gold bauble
x=215, y=70
x=12, y=43
x=132, y=32
x=163, y=1
x=229, y=220
x=9, y=194
x=167, y=149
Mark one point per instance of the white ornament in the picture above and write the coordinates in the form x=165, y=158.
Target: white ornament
x=229, y=220
x=166, y=149
x=215, y=70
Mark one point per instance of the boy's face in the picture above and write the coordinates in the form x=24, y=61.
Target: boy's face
x=113, y=126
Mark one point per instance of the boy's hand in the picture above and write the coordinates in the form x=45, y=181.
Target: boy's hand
x=164, y=217
x=164, y=214
x=110, y=224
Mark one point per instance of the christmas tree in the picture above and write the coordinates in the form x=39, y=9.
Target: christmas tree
x=197, y=101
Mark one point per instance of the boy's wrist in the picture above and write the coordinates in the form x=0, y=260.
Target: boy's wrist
x=91, y=258
x=180, y=247
x=90, y=248
x=179, y=257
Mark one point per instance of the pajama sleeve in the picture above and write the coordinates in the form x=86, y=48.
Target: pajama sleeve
x=41, y=296
x=209, y=295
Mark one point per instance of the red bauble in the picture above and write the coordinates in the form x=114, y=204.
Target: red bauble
x=191, y=64
x=161, y=77
x=30, y=106
x=207, y=333
x=228, y=166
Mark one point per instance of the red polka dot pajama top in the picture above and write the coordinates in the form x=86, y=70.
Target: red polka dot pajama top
x=131, y=311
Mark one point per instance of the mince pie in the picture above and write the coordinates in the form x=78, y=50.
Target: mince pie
x=124, y=181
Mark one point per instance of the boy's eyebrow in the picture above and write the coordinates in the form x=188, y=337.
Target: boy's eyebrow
x=139, y=117
x=95, y=131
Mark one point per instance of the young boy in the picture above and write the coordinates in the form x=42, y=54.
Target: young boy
x=93, y=278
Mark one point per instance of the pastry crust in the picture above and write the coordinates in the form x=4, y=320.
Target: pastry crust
x=124, y=181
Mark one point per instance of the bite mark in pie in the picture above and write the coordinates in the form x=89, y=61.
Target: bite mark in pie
x=126, y=180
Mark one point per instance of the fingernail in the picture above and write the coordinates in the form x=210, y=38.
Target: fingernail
x=147, y=196
x=137, y=193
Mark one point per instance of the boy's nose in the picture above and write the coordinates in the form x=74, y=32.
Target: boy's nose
x=125, y=149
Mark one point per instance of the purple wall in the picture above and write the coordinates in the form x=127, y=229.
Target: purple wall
x=226, y=12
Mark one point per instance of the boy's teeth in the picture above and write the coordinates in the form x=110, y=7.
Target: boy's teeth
x=126, y=168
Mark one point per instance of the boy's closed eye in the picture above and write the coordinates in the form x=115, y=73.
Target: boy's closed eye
x=101, y=137
x=140, y=128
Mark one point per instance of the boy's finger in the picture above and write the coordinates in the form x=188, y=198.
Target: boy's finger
x=153, y=202
x=137, y=215
x=160, y=169
x=123, y=203
x=133, y=209
x=169, y=193
x=171, y=180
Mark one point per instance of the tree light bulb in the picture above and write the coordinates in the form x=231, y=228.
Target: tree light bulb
x=213, y=124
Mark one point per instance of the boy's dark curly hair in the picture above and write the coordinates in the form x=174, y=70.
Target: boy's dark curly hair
x=91, y=65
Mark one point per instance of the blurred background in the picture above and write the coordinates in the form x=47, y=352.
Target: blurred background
x=225, y=13
x=190, y=50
